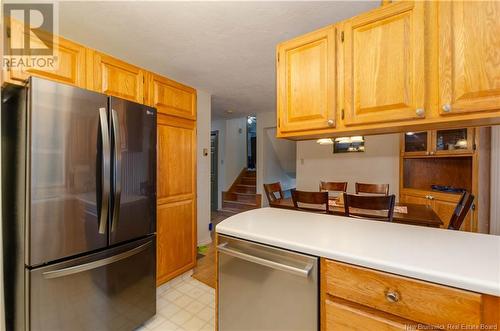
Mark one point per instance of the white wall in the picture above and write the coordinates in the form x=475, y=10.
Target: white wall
x=203, y=166
x=232, y=150
x=378, y=164
x=275, y=157
x=495, y=181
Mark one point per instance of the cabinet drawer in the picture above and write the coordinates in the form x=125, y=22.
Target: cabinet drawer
x=343, y=315
x=405, y=297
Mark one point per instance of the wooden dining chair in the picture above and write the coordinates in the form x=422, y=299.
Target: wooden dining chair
x=383, y=204
x=461, y=210
x=313, y=200
x=372, y=188
x=332, y=186
x=274, y=192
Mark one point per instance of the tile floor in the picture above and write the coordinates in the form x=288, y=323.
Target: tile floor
x=183, y=304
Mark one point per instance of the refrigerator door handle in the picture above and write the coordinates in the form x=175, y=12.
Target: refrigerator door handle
x=117, y=169
x=105, y=178
x=95, y=264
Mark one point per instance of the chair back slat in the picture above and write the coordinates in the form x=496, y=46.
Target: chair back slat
x=333, y=186
x=318, y=199
x=372, y=188
x=461, y=210
x=274, y=192
x=384, y=204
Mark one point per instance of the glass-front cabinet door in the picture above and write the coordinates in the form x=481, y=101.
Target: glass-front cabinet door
x=416, y=143
x=453, y=141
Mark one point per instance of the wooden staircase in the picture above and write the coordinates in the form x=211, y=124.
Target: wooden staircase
x=242, y=194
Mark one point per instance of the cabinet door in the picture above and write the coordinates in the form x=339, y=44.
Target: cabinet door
x=176, y=235
x=172, y=98
x=176, y=194
x=306, y=82
x=453, y=141
x=445, y=208
x=469, y=69
x=416, y=199
x=342, y=315
x=416, y=143
x=118, y=78
x=69, y=64
x=384, y=65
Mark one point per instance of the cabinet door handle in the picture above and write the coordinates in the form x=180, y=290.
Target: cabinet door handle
x=330, y=122
x=446, y=108
x=392, y=296
x=420, y=112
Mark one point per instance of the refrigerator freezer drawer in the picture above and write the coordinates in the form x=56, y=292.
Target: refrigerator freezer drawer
x=111, y=290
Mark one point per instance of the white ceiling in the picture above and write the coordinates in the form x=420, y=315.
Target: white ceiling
x=224, y=48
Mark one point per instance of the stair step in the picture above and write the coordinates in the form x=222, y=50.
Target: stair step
x=238, y=205
x=241, y=188
x=248, y=180
x=240, y=196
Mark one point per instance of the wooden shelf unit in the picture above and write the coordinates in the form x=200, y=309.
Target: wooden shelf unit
x=467, y=168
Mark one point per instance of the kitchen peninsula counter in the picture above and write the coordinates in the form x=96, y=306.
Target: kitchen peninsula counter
x=464, y=260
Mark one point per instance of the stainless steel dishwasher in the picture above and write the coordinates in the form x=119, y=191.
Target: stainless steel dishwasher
x=265, y=288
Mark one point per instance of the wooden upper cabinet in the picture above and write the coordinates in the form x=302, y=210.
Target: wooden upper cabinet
x=469, y=60
x=117, y=78
x=384, y=64
x=69, y=67
x=306, y=82
x=172, y=98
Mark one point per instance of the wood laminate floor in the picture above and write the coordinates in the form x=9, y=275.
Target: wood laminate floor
x=205, y=268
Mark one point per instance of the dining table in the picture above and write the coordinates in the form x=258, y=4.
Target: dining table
x=405, y=213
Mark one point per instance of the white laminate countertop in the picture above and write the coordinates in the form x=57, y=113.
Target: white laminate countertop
x=459, y=259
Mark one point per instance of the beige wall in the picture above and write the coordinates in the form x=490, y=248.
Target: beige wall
x=203, y=166
x=276, y=158
x=378, y=164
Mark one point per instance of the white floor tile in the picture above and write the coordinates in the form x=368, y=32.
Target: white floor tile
x=172, y=295
x=194, y=324
x=181, y=317
x=194, y=307
x=155, y=321
x=184, y=304
x=169, y=310
x=165, y=326
x=183, y=301
x=206, y=313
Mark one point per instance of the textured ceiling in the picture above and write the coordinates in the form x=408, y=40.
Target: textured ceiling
x=225, y=48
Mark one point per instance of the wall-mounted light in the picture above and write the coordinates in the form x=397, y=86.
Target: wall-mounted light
x=325, y=141
x=349, y=144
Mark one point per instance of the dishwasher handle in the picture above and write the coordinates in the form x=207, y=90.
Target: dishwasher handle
x=271, y=264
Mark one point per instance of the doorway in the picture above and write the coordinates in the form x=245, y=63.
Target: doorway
x=251, y=142
x=214, y=170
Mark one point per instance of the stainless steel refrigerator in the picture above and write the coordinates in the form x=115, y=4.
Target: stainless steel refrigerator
x=79, y=209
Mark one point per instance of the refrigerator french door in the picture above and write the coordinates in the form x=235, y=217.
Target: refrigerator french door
x=79, y=194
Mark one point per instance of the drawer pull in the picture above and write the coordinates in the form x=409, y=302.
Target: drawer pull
x=392, y=296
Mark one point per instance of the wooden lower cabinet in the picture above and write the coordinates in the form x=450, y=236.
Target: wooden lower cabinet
x=345, y=315
x=357, y=298
x=176, y=232
x=442, y=203
x=176, y=197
